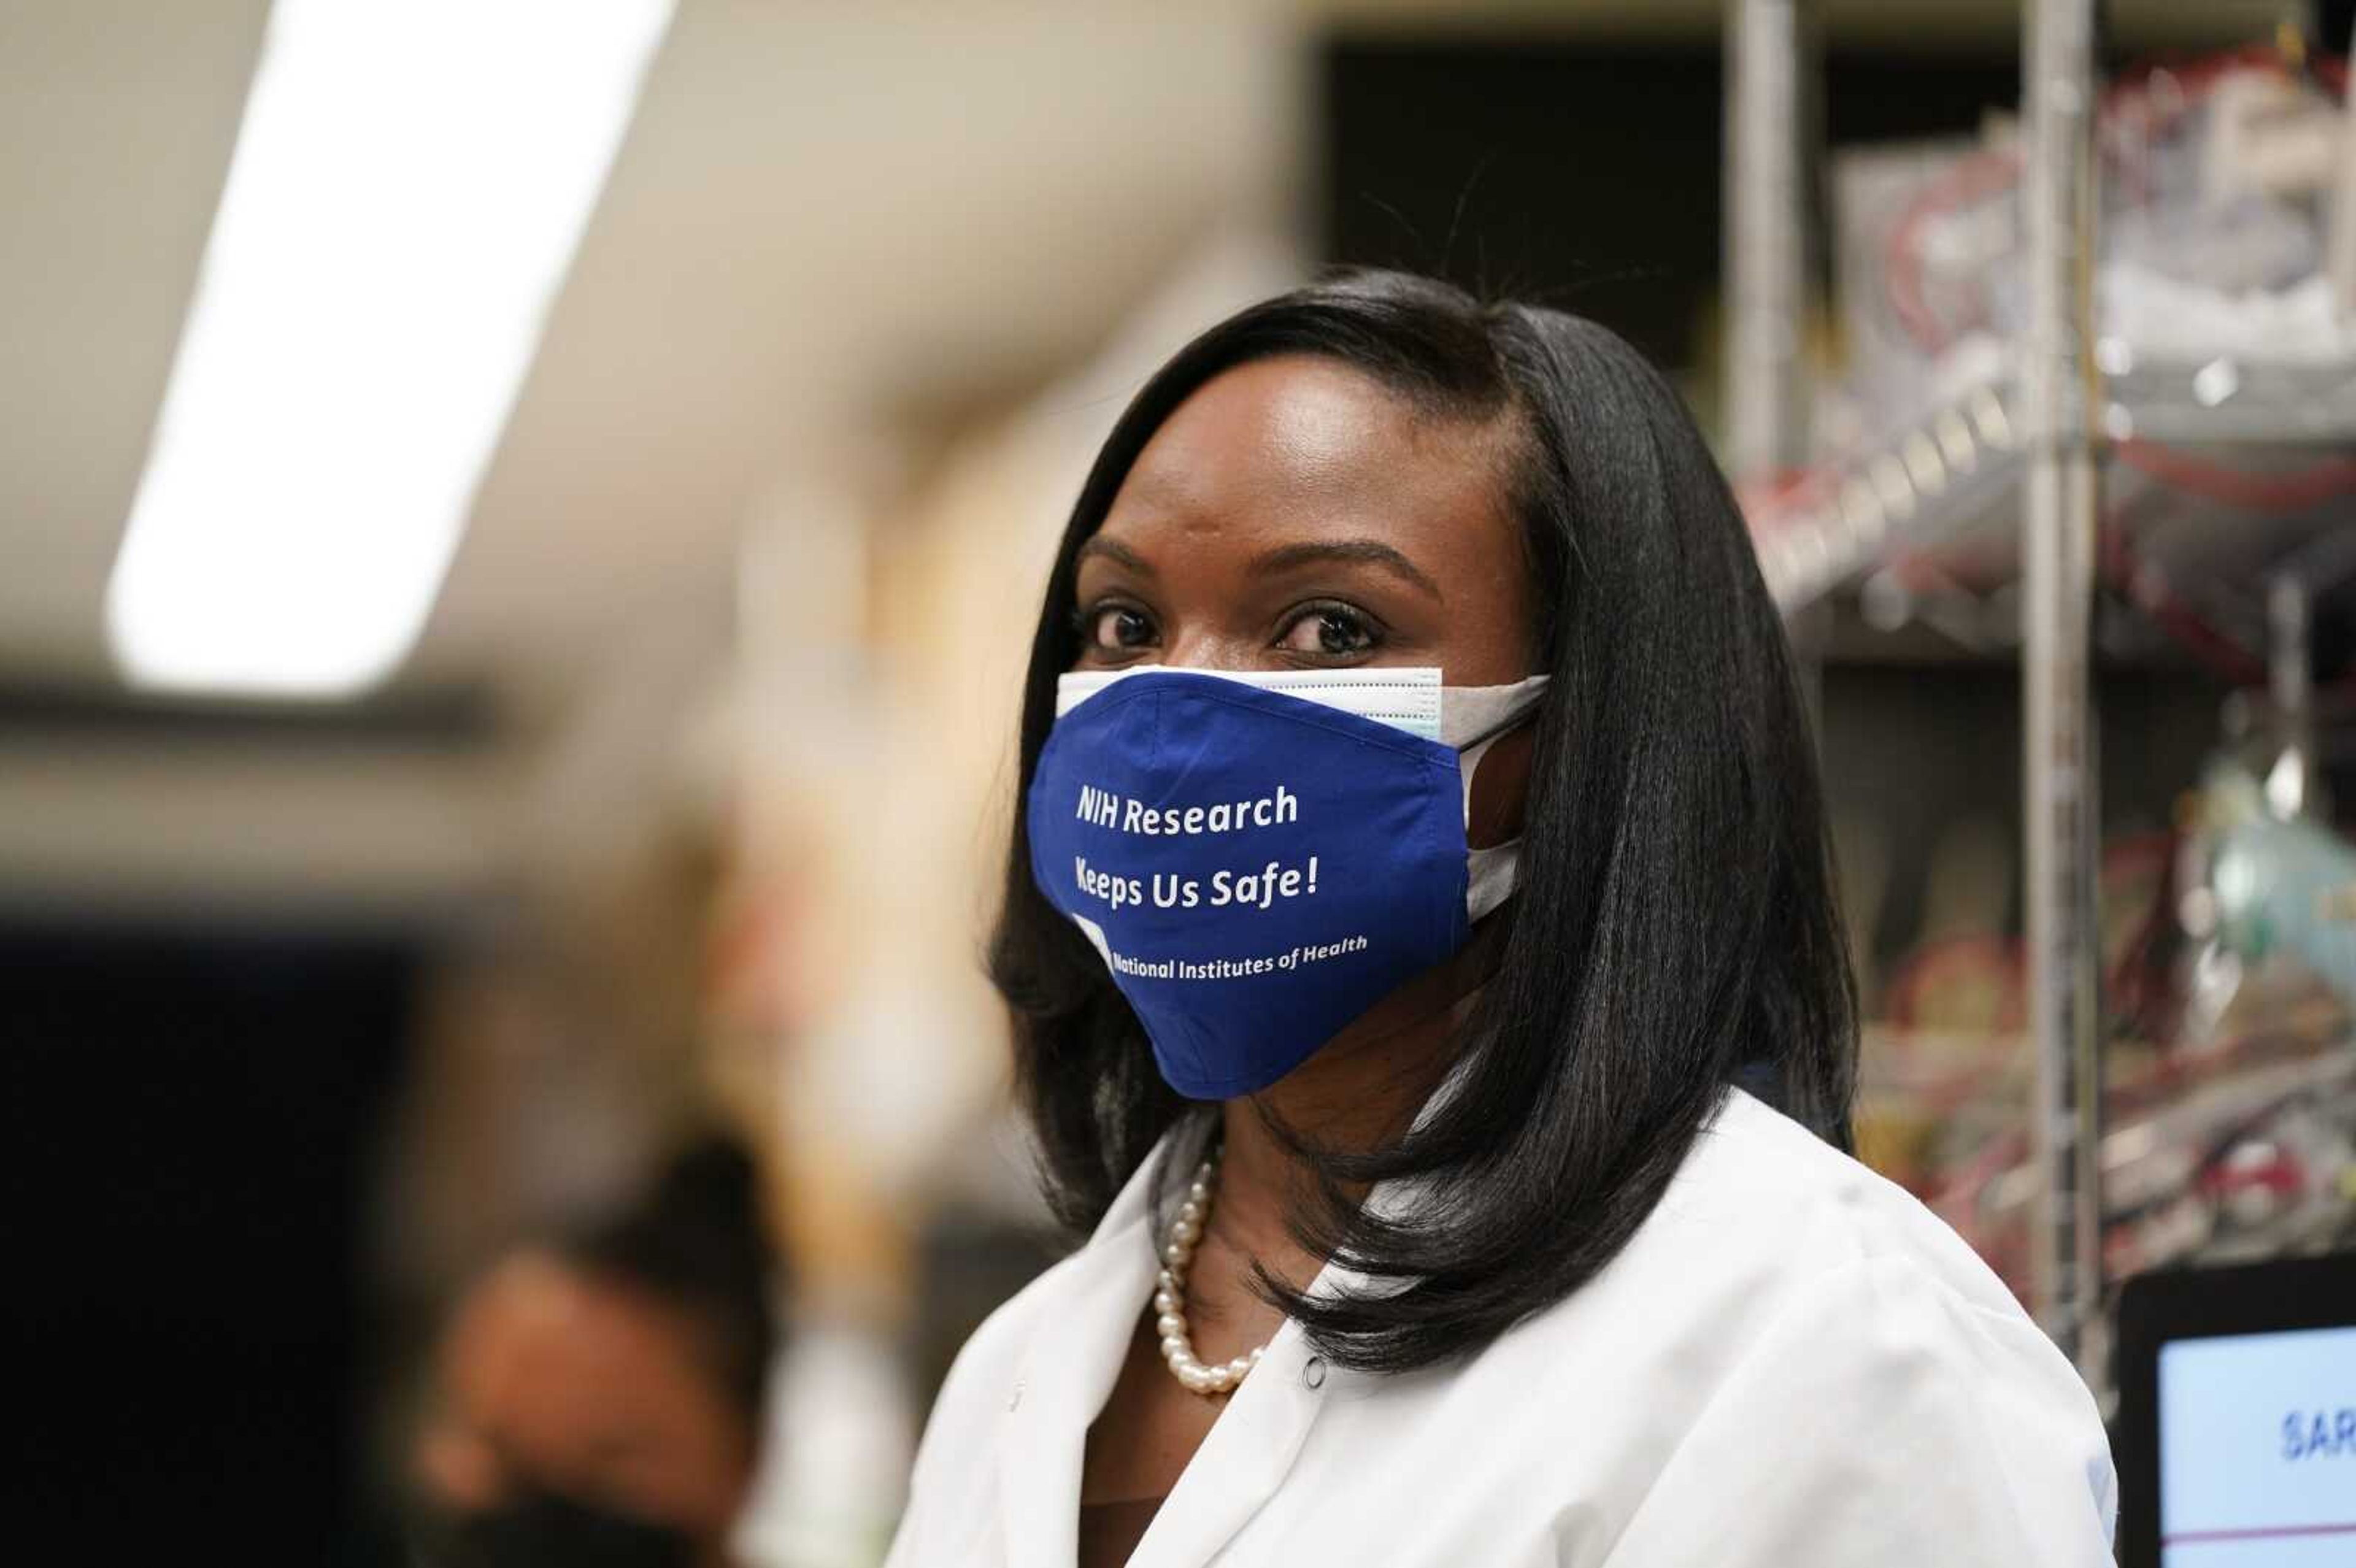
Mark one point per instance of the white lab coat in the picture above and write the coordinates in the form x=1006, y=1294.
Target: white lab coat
x=1792, y=1363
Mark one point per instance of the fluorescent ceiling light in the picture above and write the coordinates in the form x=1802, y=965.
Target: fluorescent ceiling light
x=408, y=185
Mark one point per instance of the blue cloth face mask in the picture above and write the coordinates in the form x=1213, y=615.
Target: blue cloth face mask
x=1260, y=857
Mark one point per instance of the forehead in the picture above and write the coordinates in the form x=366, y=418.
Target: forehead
x=1300, y=446
x=552, y=1358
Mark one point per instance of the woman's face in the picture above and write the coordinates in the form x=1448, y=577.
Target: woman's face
x=1295, y=514
x=554, y=1378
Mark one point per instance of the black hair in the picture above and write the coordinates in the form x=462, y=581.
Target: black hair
x=1675, y=925
x=695, y=1241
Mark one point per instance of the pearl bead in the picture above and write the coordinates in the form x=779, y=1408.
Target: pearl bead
x=1170, y=1297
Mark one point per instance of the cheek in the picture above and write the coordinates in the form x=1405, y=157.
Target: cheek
x=698, y=1480
x=689, y=1461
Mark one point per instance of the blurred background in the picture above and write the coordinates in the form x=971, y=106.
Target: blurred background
x=518, y=531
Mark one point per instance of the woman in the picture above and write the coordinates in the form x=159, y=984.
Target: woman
x=1432, y=1006
x=600, y=1402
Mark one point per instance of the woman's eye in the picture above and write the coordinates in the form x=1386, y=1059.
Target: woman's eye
x=1330, y=631
x=1118, y=628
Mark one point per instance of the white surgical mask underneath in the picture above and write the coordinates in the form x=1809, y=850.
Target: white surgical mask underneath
x=1465, y=718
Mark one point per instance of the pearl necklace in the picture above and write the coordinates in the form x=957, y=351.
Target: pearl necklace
x=1170, y=1295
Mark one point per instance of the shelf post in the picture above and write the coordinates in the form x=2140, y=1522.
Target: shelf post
x=1767, y=115
x=2339, y=243
x=1771, y=103
x=2061, y=806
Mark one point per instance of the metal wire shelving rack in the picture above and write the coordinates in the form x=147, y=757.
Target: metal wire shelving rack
x=2038, y=440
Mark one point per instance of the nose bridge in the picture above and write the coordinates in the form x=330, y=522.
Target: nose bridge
x=1199, y=646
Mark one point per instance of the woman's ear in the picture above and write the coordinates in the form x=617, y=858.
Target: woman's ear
x=1501, y=783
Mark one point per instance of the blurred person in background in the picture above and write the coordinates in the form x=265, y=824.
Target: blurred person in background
x=599, y=1400
x=1433, y=1011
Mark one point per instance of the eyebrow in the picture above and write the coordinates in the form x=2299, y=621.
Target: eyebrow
x=1285, y=558
x=1371, y=552
x=1115, y=551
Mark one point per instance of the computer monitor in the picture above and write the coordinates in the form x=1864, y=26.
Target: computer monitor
x=2237, y=1417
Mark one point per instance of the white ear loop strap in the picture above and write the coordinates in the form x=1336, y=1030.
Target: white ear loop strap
x=1488, y=713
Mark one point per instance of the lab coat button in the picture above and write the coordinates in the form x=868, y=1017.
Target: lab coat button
x=1313, y=1374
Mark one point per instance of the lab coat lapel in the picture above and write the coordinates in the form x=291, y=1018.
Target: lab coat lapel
x=1063, y=1376
x=1067, y=1371
x=1252, y=1446
x=1241, y=1462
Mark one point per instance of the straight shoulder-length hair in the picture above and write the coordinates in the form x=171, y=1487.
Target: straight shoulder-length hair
x=1674, y=928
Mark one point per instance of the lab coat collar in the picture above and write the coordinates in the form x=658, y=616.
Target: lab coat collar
x=1068, y=1368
